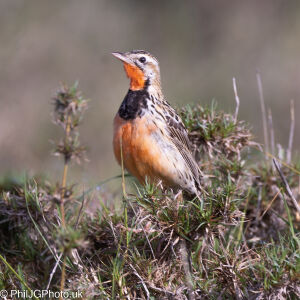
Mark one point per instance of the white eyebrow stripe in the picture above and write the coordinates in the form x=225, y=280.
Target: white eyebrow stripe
x=154, y=61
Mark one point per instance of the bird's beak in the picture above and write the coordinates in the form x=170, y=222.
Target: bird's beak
x=123, y=57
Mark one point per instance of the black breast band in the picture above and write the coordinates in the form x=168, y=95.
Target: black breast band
x=133, y=104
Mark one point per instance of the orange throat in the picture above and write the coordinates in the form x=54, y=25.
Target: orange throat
x=137, y=78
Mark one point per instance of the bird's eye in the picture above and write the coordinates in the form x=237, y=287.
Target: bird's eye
x=142, y=59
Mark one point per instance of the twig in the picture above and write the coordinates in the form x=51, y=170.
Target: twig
x=169, y=241
x=237, y=100
x=142, y=281
x=263, y=111
x=291, y=136
x=64, y=178
x=53, y=271
x=286, y=185
x=270, y=204
x=186, y=267
x=271, y=128
x=63, y=275
x=62, y=207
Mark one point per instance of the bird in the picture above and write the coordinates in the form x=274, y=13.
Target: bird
x=150, y=134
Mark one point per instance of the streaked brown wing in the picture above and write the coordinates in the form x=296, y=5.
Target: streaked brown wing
x=176, y=126
x=179, y=136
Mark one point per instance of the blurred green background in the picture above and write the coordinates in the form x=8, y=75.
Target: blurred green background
x=201, y=45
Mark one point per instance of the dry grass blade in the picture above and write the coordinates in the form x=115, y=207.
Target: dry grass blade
x=286, y=185
x=271, y=128
x=270, y=204
x=263, y=111
x=237, y=99
x=53, y=271
x=142, y=281
x=291, y=136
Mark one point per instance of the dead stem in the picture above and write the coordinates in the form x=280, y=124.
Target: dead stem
x=292, y=130
x=270, y=204
x=62, y=206
x=142, y=281
x=53, y=271
x=63, y=187
x=63, y=276
x=263, y=111
x=271, y=128
x=286, y=185
x=64, y=178
x=237, y=100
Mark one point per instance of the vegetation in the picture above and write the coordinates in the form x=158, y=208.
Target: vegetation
x=242, y=238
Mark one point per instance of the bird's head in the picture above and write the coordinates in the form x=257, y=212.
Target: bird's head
x=141, y=67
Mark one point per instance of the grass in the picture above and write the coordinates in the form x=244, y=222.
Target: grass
x=242, y=240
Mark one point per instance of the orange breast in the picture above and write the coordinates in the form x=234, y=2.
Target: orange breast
x=137, y=78
x=142, y=155
x=123, y=134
